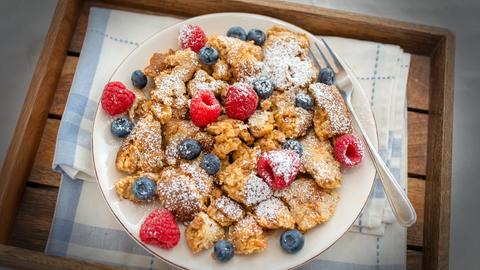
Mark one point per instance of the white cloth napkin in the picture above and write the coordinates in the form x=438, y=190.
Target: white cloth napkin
x=84, y=228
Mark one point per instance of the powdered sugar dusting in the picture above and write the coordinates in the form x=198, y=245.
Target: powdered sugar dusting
x=201, y=178
x=329, y=99
x=178, y=193
x=256, y=190
x=259, y=119
x=203, y=81
x=318, y=161
x=284, y=163
x=229, y=207
x=171, y=152
x=287, y=65
x=270, y=209
x=187, y=38
x=247, y=227
x=170, y=90
x=242, y=90
x=146, y=138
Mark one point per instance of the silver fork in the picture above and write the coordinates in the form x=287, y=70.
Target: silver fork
x=401, y=206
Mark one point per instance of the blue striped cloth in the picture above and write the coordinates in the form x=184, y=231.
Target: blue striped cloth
x=84, y=228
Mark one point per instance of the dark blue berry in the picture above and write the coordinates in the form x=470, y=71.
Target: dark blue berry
x=208, y=55
x=144, y=188
x=121, y=127
x=210, y=163
x=237, y=32
x=327, y=76
x=223, y=250
x=292, y=241
x=263, y=87
x=303, y=100
x=139, y=80
x=293, y=145
x=189, y=149
x=258, y=36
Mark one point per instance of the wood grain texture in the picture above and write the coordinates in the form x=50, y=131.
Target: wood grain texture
x=414, y=260
x=42, y=172
x=417, y=143
x=34, y=218
x=19, y=258
x=418, y=78
x=80, y=29
x=35, y=215
x=412, y=37
x=63, y=86
x=417, y=150
x=21, y=153
x=416, y=194
x=418, y=82
x=430, y=75
x=438, y=184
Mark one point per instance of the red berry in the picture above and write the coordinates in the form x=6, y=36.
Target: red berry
x=278, y=168
x=160, y=229
x=116, y=98
x=204, y=108
x=348, y=150
x=191, y=36
x=241, y=101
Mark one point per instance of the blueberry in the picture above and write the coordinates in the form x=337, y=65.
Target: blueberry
x=256, y=35
x=293, y=145
x=263, y=87
x=144, y=188
x=237, y=32
x=327, y=76
x=121, y=127
x=210, y=163
x=189, y=149
x=303, y=100
x=139, y=80
x=292, y=241
x=208, y=55
x=223, y=250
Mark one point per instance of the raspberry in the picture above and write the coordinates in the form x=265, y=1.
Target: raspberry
x=204, y=108
x=116, y=98
x=348, y=150
x=278, y=168
x=241, y=101
x=160, y=229
x=191, y=36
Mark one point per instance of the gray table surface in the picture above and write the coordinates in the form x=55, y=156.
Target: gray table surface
x=24, y=24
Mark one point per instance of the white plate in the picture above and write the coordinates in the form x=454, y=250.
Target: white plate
x=357, y=182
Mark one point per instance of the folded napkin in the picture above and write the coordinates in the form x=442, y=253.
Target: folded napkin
x=83, y=227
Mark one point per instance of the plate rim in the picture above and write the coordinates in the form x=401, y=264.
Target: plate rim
x=275, y=20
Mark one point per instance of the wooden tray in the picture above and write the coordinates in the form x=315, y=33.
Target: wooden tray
x=25, y=220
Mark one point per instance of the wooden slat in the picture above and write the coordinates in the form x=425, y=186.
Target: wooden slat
x=36, y=212
x=412, y=37
x=418, y=78
x=19, y=258
x=416, y=194
x=414, y=260
x=417, y=143
x=80, y=29
x=34, y=218
x=439, y=117
x=42, y=172
x=26, y=139
x=63, y=87
x=418, y=82
x=439, y=170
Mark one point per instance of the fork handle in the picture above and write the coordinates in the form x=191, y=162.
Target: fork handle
x=401, y=206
